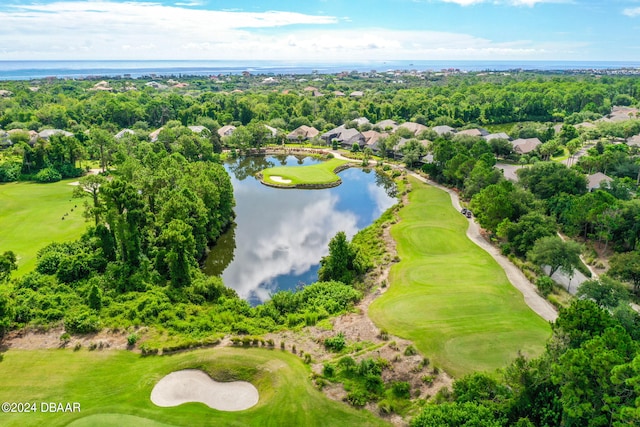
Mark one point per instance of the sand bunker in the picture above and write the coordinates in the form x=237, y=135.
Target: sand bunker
x=191, y=385
x=280, y=179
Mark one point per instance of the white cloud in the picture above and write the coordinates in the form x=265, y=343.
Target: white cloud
x=529, y=3
x=632, y=12
x=110, y=30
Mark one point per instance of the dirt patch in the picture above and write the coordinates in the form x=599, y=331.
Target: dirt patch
x=30, y=339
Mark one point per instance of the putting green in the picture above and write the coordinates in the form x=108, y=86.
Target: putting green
x=449, y=296
x=31, y=218
x=114, y=388
x=319, y=175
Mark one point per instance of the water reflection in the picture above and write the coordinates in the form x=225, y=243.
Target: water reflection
x=282, y=234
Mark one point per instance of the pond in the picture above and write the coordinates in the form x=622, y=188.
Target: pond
x=280, y=235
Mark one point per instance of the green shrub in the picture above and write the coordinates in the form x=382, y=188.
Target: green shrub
x=410, y=351
x=401, y=389
x=81, y=321
x=335, y=343
x=544, y=285
x=358, y=398
x=328, y=370
x=48, y=175
x=132, y=339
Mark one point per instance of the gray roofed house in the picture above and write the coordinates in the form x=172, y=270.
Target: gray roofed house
x=198, y=129
x=525, y=145
x=500, y=135
x=586, y=125
x=124, y=132
x=634, y=141
x=226, y=130
x=303, y=133
x=48, y=133
x=345, y=137
x=473, y=132
x=5, y=141
x=356, y=94
x=371, y=138
x=338, y=93
x=273, y=132
x=387, y=125
x=361, y=121
x=416, y=128
x=595, y=180
x=443, y=129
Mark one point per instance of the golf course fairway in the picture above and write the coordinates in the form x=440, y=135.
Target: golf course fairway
x=32, y=215
x=451, y=297
x=113, y=388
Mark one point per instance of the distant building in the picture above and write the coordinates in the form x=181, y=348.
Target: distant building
x=443, y=130
x=416, y=128
x=594, y=181
x=124, y=132
x=303, y=133
x=345, y=137
x=500, y=135
x=525, y=145
x=226, y=130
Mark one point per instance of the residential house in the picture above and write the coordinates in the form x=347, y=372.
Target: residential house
x=226, y=130
x=473, y=132
x=48, y=133
x=345, y=137
x=356, y=94
x=199, y=129
x=5, y=140
x=273, y=132
x=124, y=132
x=303, y=133
x=387, y=125
x=361, y=121
x=594, y=181
x=371, y=138
x=525, y=145
x=416, y=128
x=634, y=141
x=153, y=136
x=500, y=135
x=443, y=130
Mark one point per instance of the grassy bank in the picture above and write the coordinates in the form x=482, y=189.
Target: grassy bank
x=114, y=388
x=292, y=176
x=31, y=217
x=449, y=296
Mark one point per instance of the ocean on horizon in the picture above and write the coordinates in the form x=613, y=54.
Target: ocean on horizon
x=28, y=70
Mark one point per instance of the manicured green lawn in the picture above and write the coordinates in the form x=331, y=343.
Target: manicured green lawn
x=290, y=176
x=449, y=296
x=114, y=389
x=31, y=217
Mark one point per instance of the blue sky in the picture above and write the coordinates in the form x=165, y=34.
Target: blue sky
x=321, y=30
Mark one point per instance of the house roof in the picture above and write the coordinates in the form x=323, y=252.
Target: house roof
x=443, y=129
x=416, y=128
x=344, y=135
x=594, y=180
x=304, y=131
x=226, y=130
x=384, y=124
x=47, y=133
x=357, y=94
x=361, y=121
x=587, y=125
x=525, y=145
x=124, y=132
x=338, y=93
x=197, y=129
x=470, y=132
x=272, y=130
x=153, y=136
x=634, y=140
x=500, y=135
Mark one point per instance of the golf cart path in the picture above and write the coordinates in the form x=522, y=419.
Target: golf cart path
x=531, y=297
